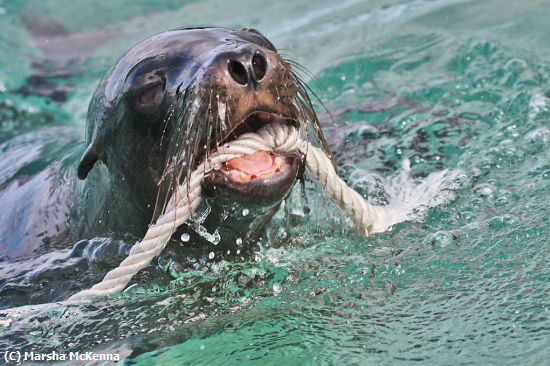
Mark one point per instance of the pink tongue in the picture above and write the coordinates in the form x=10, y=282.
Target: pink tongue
x=257, y=164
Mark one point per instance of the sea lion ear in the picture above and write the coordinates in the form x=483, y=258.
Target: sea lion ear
x=88, y=160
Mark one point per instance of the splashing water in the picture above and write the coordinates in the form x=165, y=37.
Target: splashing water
x=409, y=199
x=441, y=111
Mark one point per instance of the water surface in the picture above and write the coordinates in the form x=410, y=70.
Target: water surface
x=447, y=84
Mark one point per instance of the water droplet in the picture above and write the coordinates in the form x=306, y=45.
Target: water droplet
x=185, y=237
x=484, y=190
x=201, y=215
x=238, y=251
x=277, y=288
x=281, y=233
x=440, y=239
x=246, y=212
x=213, y=238
x=239, y=241
x=202, y=347
x=211, y=255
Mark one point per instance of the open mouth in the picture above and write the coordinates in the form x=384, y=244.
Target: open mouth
x=262, y=177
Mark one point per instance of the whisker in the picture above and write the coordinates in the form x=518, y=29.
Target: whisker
x=195, y=124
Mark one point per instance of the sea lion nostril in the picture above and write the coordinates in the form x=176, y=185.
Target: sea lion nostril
x=259, y=66
x=238, y=72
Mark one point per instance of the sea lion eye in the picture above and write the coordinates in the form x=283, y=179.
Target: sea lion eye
x=149, y=97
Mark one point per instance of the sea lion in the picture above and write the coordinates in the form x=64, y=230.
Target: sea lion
x=156, y=114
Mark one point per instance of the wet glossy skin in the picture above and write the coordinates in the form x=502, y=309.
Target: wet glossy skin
x=230, y=75
x=156, y=113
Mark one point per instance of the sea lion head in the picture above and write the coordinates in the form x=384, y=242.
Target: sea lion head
x=170, y=100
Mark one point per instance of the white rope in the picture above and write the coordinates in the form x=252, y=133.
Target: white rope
x=274, y=138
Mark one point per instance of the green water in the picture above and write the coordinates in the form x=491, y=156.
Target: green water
x=448, y=84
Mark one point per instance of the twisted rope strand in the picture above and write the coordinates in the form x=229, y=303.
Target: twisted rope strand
x=276, y=138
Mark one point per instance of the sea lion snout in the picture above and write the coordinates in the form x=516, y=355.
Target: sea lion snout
x=250, y=78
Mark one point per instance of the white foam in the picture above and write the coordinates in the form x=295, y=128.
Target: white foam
x=410, y=198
